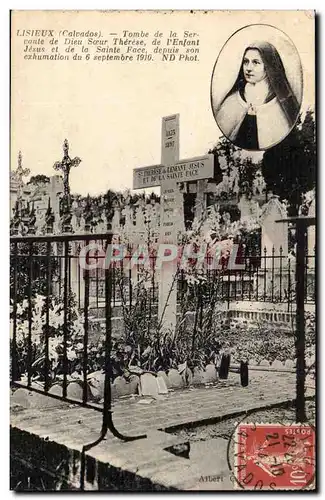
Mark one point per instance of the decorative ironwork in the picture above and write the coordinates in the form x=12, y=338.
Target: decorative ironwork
x=65, y=166
x=66, y=215
x=26, y=265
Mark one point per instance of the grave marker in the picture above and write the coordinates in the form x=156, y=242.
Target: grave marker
x=167, y=175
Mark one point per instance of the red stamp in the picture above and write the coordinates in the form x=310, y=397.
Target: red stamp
x=274, y=456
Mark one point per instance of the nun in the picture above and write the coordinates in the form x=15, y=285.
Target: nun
x=261, y=107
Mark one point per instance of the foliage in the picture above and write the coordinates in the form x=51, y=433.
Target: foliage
x=55, y=335
x=289, y=168
x=39, y=179
x=238, y=171
x=257, y=340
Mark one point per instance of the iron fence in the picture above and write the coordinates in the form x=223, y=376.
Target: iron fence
x=49, y=342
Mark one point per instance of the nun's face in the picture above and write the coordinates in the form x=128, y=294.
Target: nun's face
x=253, y=66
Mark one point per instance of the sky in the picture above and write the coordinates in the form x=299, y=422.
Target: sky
x=111, y=112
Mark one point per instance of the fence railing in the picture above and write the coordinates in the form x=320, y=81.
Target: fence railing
x=262, y=278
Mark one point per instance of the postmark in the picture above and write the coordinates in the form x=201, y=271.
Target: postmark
x=274, y=456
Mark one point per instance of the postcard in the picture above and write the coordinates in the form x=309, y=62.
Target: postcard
x=162, y=251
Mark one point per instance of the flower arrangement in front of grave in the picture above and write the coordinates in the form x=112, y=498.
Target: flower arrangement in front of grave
x=201, y=289
x=144, y=343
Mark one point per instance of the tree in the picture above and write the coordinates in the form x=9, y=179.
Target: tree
x=289, y=168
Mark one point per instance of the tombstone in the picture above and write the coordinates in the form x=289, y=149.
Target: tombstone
x=75, y=391
x=162, y=386
x=248, y=208
x=55, y=190
x=277, y=364
x=148, y=385
x=311, y=236
x=289, y=364
x=81, y=224
x=259, y=184
x=74, y=223
x=57, y=225
x=200, y=199
x=116, y=218
x=121, y=386
x=40, y=221
x=100, y=224
x=198, y=376
x=210, y=373
x=139, y=217
x=127, y=212
x=274, y=234
x=175, y=379
x=163, y=375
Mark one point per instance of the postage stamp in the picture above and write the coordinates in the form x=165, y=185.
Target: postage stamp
x=274, y=456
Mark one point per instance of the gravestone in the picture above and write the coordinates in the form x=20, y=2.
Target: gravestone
x=55, y=191
x=116, y=218
x=40, y=220
x=148, y=385
x=199, y=208
x=162, y=386
x=210, y=373
x=127, y=213
x=162, y=374
x=175, y=379
x=248, y=208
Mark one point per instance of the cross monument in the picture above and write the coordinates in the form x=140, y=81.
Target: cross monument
x=167, y=175
x=65, y=166
x=19, y=174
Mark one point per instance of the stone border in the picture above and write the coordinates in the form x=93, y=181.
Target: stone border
x=162, y=381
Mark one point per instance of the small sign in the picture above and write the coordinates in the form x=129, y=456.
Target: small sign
x=192, y=169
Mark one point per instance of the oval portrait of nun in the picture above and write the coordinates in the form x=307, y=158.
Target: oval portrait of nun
x=256, y=87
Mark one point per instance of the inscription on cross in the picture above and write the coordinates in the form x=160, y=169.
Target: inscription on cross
x=168, y=174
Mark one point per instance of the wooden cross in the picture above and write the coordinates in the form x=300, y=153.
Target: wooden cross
x=65, y=166
x=168, y=175
x=19, y=174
